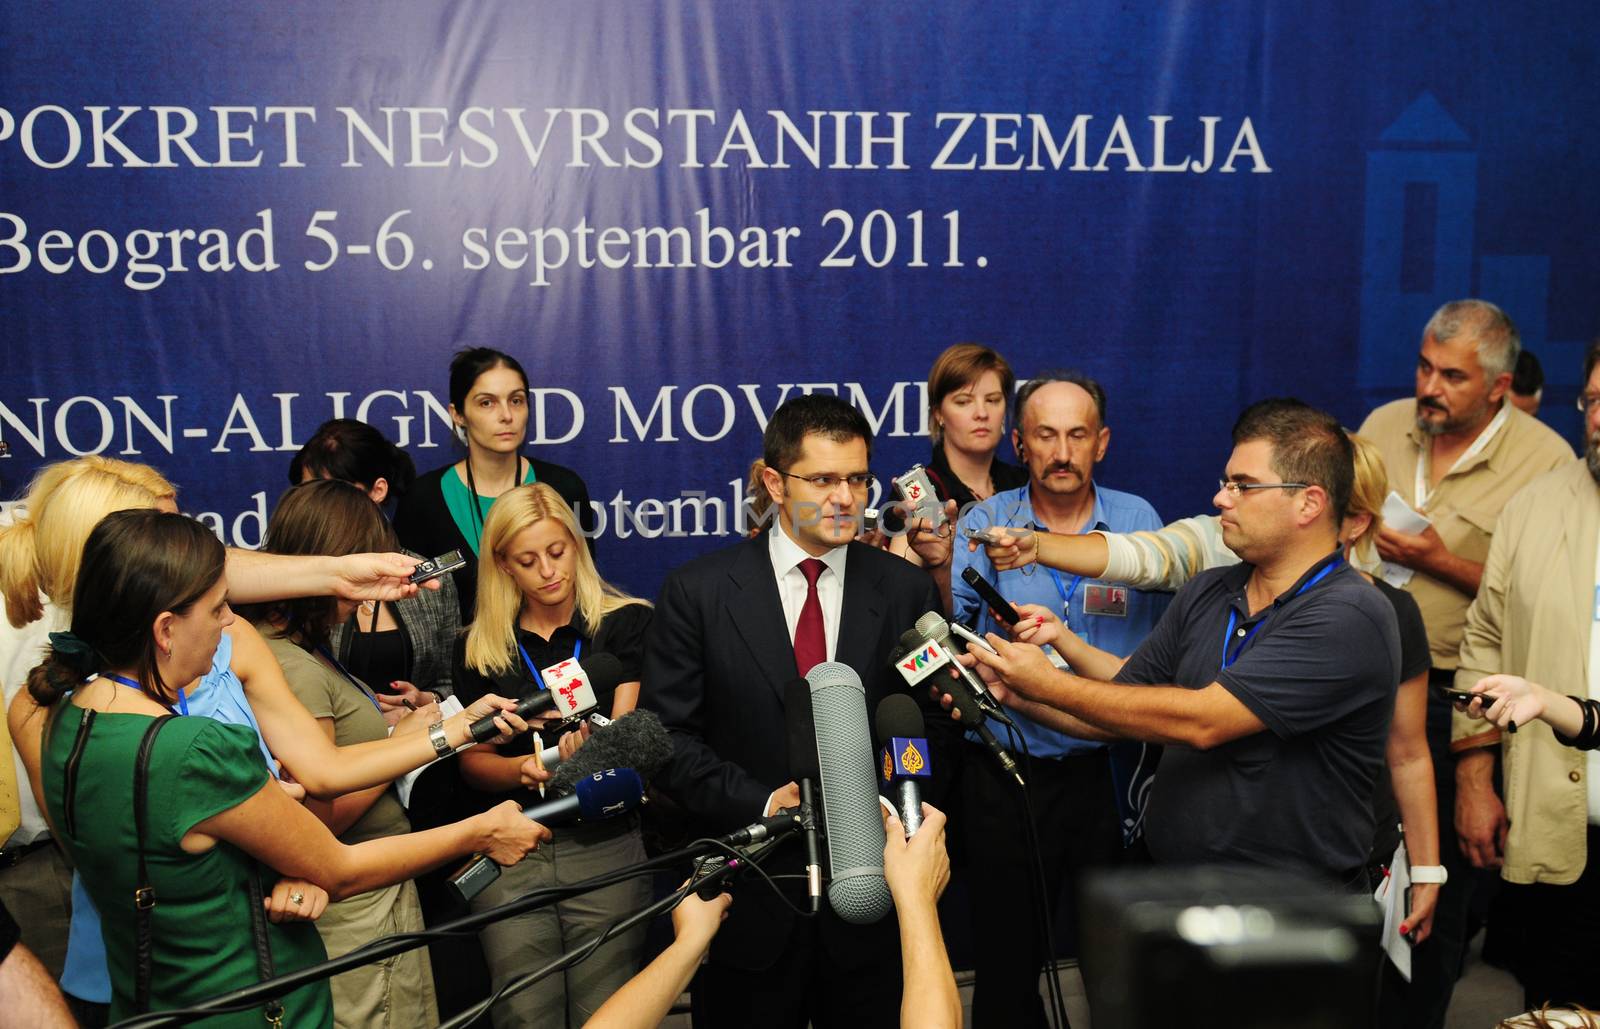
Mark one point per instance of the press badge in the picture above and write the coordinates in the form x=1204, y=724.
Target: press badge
x=1106, y=600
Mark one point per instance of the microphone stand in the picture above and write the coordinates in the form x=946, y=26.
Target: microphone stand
x=279, y=986
x=808, y=825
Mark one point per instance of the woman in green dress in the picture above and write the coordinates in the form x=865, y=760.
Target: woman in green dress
x=149, y=609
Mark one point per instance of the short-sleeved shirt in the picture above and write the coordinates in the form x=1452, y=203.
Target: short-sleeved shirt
x=1466, y=504
x=1319, y=667
x=621, y=634
x=1113, y=618
x=201, y=920
x=356, y=719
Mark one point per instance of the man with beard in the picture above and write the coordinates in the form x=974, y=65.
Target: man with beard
x=1061, y=435
x=1538, y=616
x=1456, y=452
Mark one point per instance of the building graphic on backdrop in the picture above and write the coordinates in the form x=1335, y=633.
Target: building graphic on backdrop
x=1420, y=250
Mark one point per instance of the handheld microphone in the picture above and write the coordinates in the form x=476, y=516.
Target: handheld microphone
x=857, y=890
x=607, y=794
x=571, y=686
x=637, y=740
x=934, y=627
x=927, y=657
x=904, y=758
x=802, y=732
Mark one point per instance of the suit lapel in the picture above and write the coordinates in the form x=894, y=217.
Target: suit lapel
x=861, y=615
x=757, y=614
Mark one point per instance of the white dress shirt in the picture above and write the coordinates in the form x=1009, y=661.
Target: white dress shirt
x=786, y=556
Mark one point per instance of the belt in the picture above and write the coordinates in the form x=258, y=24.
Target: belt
x=13, y=857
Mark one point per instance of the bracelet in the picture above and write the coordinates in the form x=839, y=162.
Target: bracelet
x=1585, y=739
x=441, y=746
x=1429, y=874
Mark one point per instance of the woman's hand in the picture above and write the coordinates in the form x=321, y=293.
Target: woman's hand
x=296, y=792
x=404, y=699
x=696, y=921
x=506, y=719
x=1014, y=548
x=412, y=721
x=1419, y=924
x=1040, y=626
x=932, y=545
x=1507, y=699
x=571, y=741
x=295, y=900
x=376, y=577
x=918, y=869
x=506, y=835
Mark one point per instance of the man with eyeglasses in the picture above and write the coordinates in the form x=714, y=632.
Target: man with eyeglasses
x=730, y=630
x=1270, y=683
x=1456, y=452
x=1538, y=616
x=1061, y=436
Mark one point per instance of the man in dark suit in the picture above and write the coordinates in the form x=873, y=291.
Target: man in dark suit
x=733, y=627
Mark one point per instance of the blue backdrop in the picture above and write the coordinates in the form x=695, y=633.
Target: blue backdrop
x=1365, y=163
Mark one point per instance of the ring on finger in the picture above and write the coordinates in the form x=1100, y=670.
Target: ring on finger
x=297, y=898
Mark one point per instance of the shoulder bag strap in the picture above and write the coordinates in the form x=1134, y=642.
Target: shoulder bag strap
x=69, y=802
x=144, y=896
x=258, y=929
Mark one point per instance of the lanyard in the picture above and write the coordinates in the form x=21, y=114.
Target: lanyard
x=1068, y=592
x=183, y=702
x=327, y=655
x=577, y=648
x=1233, y=616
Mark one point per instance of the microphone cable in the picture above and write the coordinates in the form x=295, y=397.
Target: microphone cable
x=748, y=859
x=1047, y=900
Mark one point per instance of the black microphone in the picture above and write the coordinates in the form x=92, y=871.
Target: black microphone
x=926, y=657
x=934, y=627
x=571, y=687
x=607, y=794
x=804, y=771
x=904, y=759
x=637, y=740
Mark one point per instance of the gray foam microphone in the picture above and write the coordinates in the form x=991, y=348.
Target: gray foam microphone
x=857, y=891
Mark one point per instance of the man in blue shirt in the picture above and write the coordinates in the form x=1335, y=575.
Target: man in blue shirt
x=1061, y=434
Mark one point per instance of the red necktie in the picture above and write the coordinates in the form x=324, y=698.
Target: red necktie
x=810, y=644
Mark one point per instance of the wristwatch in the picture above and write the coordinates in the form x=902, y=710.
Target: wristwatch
x=441, y=746
x=1429, y=874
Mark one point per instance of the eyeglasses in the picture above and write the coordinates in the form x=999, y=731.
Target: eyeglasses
x=860, y=482
x=1236, y=489
x=1587, y=401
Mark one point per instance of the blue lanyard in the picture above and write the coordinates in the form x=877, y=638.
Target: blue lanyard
x=327, y=655
x=183, y=702
x=1067, y=593
x=538, y=679
x=1233, y=616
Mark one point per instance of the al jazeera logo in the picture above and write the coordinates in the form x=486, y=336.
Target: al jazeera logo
x=911, y=759
x=888, y=765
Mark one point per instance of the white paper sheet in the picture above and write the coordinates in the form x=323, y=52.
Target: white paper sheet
x=1401, y=517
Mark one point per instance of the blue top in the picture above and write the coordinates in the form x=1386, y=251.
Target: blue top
x=1114, y=511
x=1319, y=667
x=218, y=695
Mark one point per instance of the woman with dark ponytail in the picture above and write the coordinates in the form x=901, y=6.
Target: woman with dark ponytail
x=447, y=508
x=184, y=874
x=401, y=648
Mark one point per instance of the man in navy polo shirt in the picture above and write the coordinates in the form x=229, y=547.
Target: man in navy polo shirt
x=1271, y=683
x=1061, y=435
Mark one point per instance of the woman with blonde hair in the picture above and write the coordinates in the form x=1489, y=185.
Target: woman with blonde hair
x=40, y=553
x=541, y=601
